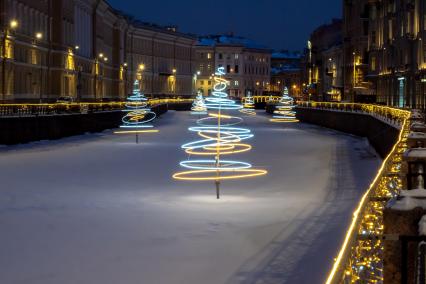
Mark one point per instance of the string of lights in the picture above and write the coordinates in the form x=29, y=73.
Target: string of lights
x=360, y=259
x=285, y=109
x=219, y=137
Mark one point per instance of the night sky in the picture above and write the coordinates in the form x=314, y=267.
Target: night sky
x=278, y=24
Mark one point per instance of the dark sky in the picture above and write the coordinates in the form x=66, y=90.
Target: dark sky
x=279, y=24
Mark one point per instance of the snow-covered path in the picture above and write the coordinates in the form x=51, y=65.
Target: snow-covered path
x=99, y=209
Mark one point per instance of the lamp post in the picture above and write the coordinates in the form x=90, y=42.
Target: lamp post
x=13, y=25
x=39, y=37
x=174, y=71
x=141, y=68
x=194, y=91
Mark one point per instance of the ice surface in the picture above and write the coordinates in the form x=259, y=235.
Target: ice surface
x=99, y=209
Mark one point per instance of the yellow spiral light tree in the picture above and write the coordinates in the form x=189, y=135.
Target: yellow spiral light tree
x=219, y=137
x=285, y=109
x=138, y=115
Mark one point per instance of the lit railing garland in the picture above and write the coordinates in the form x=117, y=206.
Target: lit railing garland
x=138, y=115
x=360, y=259
x=220, y=136
x=285, y=109
x=199, y=106
x=248, y=105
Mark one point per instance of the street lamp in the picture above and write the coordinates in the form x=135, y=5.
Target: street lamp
x=195, y=82
x=38, y=37
x=13, y=25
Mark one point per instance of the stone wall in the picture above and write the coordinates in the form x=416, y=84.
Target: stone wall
x=382, y=136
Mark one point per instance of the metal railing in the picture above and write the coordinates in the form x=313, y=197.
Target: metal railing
x=28, y=110
x=360, y=259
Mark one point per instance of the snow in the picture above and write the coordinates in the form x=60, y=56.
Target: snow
x=417, y=135
x=100, y=209
x=214, y=40
x=422, y=226
x=409, y=200
x=415, y=153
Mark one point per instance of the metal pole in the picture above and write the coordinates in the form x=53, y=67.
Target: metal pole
x=4, y=66
x=41, y=79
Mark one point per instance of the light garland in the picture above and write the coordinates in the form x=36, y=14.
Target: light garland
x=360, y=259
x=138, y=115
x=199, y=106
x=285, y=109
x=220, y=136
x=248, y=105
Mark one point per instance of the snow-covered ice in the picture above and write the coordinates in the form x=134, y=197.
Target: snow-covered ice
x=99, y=209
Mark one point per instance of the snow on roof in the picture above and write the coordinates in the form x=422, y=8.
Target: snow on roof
x=285, y=68
x=214, y=40
x=287, y=55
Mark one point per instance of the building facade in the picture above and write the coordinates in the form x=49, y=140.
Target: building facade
x=247, y=64
x=397, y=52
x=86, y=50
x=286, y=73
x=323, y=71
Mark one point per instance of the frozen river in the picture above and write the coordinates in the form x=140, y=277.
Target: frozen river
x=99, y=209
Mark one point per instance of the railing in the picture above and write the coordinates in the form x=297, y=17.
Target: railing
x=360, y=259
x=21, y=110
x=391, y=115
x=265, y=99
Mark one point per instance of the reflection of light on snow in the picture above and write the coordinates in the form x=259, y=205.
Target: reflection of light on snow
x=223, y=199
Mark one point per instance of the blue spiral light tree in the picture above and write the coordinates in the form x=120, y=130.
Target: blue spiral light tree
x=219, y=137
x=285, y=109
x=138, y=115
x=248, y=105
x=199, y=105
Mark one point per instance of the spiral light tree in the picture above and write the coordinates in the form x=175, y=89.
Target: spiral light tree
x=219, y=137
x=248, y=105
x=285, y=109
x=138, y=115
x=199, y=105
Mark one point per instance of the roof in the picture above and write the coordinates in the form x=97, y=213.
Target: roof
x=286, y=55
x=230, y=40
x=283, y=69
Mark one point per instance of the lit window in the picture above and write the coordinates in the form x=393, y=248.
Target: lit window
x=236, y=83
x=236, y=56
x=209, y=55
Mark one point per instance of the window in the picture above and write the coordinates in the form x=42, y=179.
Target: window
x=220, y=56
x=228, y=68
x=209, y=55
x=236, y=83
x=201, y=55
x=201, y=82
x=373, y=63
x=209, y=83
x=236, y=56
x=236, y=69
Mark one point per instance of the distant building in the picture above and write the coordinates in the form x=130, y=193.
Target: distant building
x=286, y=72
x=356, y=16
x=323, y=61
x=246, y=63
x=87, y=50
